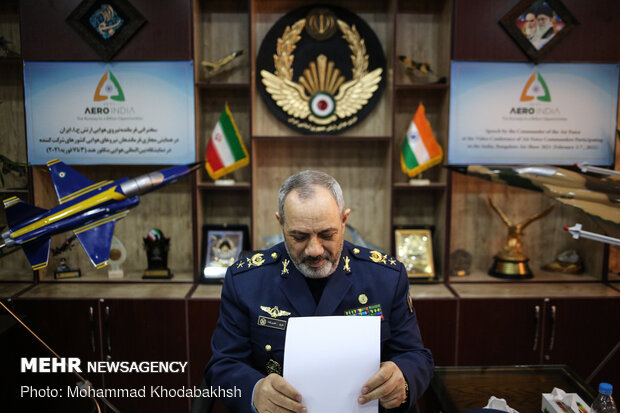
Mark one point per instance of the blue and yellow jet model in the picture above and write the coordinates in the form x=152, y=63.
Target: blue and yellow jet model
x=89, y=209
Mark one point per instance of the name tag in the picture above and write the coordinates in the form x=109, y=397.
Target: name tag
x=271, y=322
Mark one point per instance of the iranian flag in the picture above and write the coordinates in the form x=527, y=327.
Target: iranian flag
x=420, y=150
x=225, y=150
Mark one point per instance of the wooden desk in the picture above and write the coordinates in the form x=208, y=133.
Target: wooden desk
x=458, y=389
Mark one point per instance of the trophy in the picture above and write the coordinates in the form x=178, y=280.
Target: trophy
x=65, y=271
x=118, y=254
x=511, y=261
x=157, y=247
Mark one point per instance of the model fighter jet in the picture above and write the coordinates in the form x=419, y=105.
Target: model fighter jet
x=597, y=197
x=89, y=209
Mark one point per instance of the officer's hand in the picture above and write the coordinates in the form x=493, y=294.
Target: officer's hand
x=274, y=394
x=387, y=385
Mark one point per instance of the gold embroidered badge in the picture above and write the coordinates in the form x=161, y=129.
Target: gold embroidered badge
x=275, y=312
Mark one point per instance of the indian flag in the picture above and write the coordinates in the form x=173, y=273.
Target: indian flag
x=225, y=150
x=420, y=150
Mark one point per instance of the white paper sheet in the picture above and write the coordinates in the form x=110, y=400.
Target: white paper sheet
x=328, y=360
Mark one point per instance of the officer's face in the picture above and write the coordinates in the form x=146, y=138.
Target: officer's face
x=313, y=232
x=543, y=20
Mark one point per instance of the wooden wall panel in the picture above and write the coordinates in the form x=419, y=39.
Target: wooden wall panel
x=423, y=34
x=212, y=103
x=478, y=36
x=47, y=36
x=359, y=167
x=224, y=28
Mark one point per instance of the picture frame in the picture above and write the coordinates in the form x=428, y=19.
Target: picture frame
x=537, y=25
x=222, y=245
x=414, y=248
x=106, y=25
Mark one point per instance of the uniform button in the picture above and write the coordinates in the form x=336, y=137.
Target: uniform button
x=268, y=347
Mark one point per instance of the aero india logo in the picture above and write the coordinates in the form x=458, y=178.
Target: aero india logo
x=535, y=88
x=109, y=87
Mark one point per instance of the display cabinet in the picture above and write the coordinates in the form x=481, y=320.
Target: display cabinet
x=364, y=158
x=221, y=28
x=546, y=323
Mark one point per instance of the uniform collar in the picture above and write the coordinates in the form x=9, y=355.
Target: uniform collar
x=294, y=286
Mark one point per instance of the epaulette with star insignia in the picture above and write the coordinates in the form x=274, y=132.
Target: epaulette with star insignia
x=255, y=260
x=375, y=256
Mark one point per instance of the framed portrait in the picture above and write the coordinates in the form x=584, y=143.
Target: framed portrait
x=414, y=248
x=222, y=246
x=537, y=25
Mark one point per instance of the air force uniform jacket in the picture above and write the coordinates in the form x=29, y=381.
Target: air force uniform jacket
x=261, y=292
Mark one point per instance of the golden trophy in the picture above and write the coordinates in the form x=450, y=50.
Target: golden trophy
x=511, y=262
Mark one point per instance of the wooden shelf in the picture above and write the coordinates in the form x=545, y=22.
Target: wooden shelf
x=130, y=277
x=433, y=186
x=540, y=276
x=108, y=290
x=405, y=87
x=222, y=86
x=210, y=186
x=13, y=190
x=516, y=290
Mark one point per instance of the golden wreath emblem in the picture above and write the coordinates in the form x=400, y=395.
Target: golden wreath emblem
x=321, y=94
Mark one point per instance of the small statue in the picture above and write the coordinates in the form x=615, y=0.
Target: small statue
x=421, y=70
x=416, y=67
x=214, y=67
x=511, y=261
x=64, y=270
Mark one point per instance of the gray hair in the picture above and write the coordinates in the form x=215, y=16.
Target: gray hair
x=303, y=183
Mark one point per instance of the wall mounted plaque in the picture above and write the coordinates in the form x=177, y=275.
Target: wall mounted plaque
x=320, y=70
x=414, y=248
x=106, y=25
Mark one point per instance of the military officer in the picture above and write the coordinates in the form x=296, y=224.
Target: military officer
x=313, y=273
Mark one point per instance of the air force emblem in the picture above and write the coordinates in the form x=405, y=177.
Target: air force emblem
x=321, y=70
x=275, y=312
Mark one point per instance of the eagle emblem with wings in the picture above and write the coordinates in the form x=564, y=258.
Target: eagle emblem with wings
x=274, y=311
x=322, y=99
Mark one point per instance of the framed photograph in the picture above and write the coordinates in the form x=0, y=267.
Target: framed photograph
x=222, y=246
x=414, y=248
x=537, y=25
x=106, y=25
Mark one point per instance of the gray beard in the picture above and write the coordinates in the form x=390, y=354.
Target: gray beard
x=543, y=30
x=315, y=273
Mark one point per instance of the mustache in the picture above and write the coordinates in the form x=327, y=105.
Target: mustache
x=310, y=259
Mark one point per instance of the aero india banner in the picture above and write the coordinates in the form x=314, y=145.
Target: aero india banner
x=521, y=113
x=110, y=113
